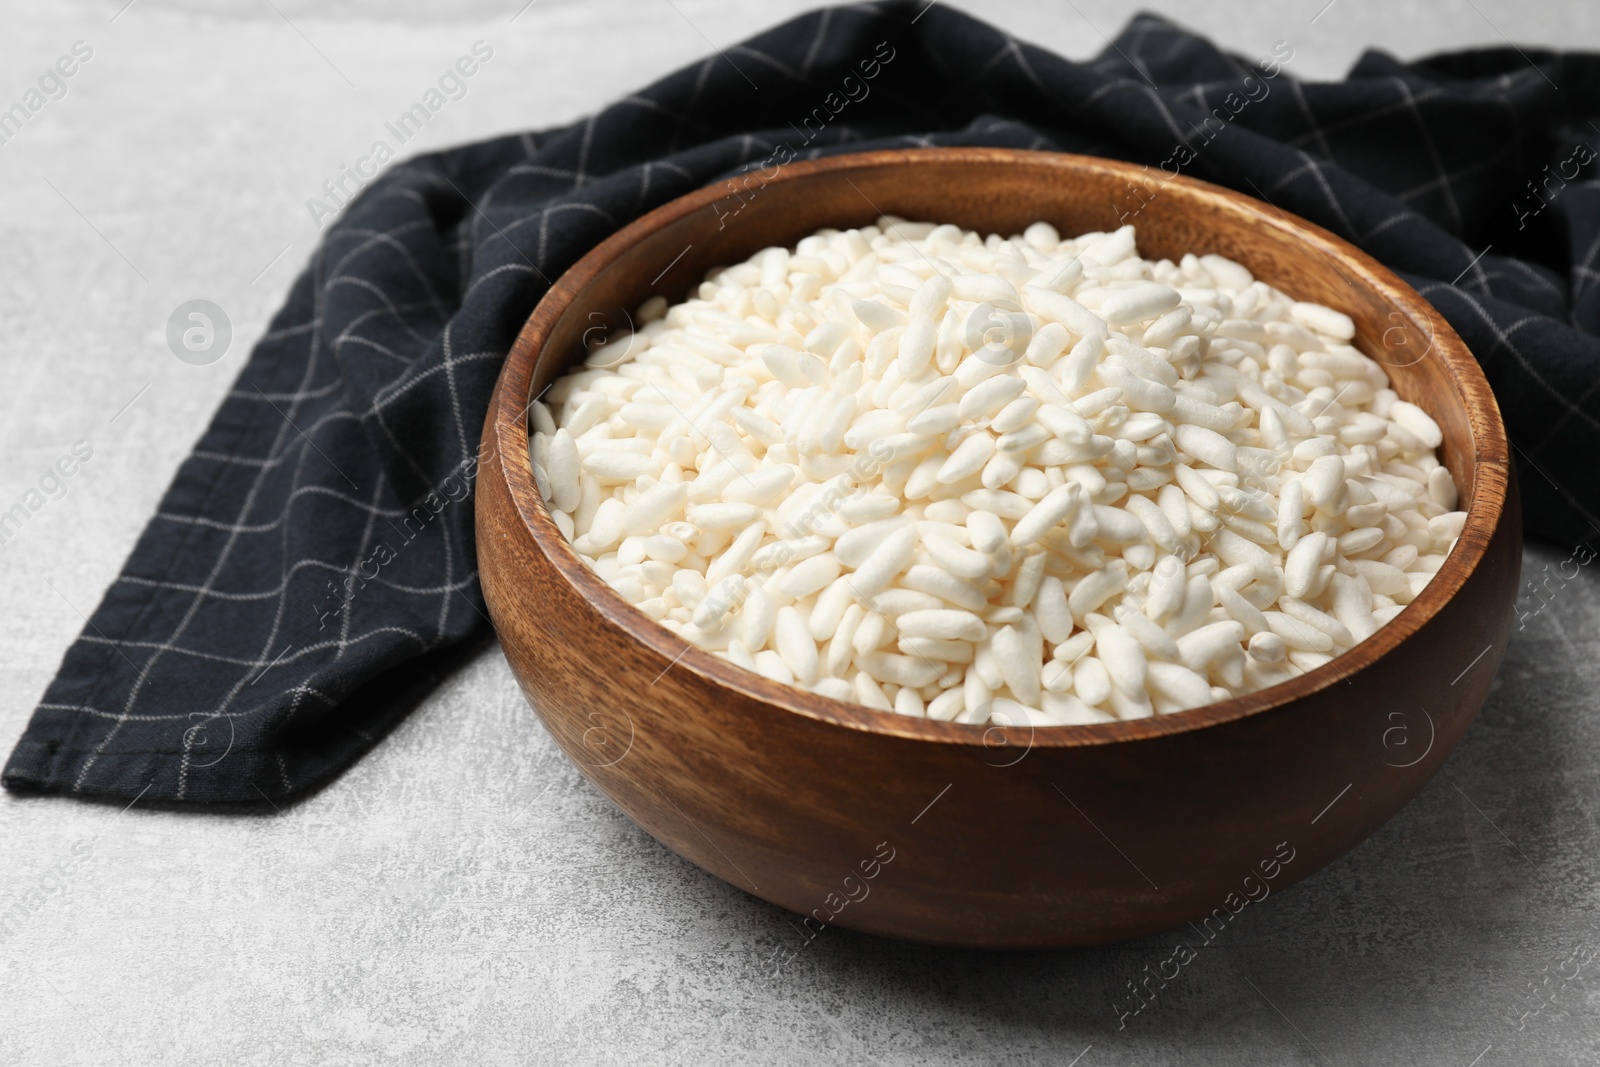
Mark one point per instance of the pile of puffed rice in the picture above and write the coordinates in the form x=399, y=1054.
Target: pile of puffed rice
x=1027, y=480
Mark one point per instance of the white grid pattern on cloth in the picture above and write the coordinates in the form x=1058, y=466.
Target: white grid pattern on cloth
x=357, y=417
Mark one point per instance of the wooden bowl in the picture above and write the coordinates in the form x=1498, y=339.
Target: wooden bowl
x=989, y=836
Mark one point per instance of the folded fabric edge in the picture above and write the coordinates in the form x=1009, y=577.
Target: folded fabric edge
x=41, y=765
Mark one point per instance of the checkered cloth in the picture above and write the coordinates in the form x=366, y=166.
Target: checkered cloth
x=311, y=569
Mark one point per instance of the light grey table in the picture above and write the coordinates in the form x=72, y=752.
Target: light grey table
x=463, y=894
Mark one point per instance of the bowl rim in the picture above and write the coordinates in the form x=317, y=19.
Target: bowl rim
x=507, y=433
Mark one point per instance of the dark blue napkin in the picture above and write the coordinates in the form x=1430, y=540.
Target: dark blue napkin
x=311, y=568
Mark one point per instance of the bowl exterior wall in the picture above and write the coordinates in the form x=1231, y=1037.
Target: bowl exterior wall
x=1006, y=843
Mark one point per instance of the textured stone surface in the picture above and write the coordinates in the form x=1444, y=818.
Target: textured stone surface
x=463, y=894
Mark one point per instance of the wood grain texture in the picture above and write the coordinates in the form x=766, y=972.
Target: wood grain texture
x=1034, y=838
